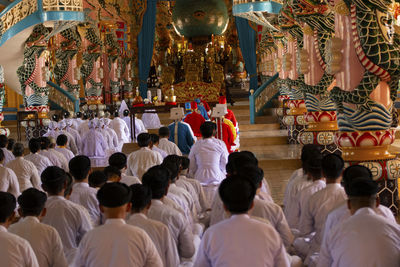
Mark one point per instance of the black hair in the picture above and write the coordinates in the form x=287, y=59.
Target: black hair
x=332, y=166
x=1, y=155
x=141, y=197
x=113, y=195
x=157, y=178
x=118, y=160
x=309, y=151
x=185, y=162
x=313, y=155
x=67, y=114
x=238, y=159
x=252, y=173
x=154, y=138
x=110, y=171
x=7, y=206
x=53, y=179
x=314, y=168
x=18, y=150
x=79, y=167
x=361, y=187
x=126, y=112
x=163, y=132
x=32, y=202
x=354, y=171
x=69, y=182
x=143, y=139
x=237, y=193
x=3, y=141
x=173, y=164
x=79, y=114
x=207, y=129
x=44, y=143
x=116, y=114
x=62, y=140
x=97, y=179
x=11, y=142
x=34, y=145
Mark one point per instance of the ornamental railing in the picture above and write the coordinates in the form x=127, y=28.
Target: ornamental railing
x=63, y=98
x=63, y=5
x=262, y=97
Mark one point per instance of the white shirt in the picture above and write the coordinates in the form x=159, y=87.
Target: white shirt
x=129, y=180
x=170, y=147
x=363, y=240
x=182, y=183
x=9, y=181
x=199, y=190
x=161, y=237
x=55, y=161
x=208, y=159
x=71, y=221
x=241, y=241
x=342, y=213
x=85, y=196
x=177, y=225
x=66, y=152
x=142, y=160
x=15, y=251
x=71, y=142
x=44, y=239
x=151, y=120
x=290, y=209
x=117, y=244
x=26, y=172
x=162, y=152
x=317, y=209
x=295, y=175
x=8, y=155
x=41, y=162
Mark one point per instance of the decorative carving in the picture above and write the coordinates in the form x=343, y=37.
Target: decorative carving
x=62, y=5
x=17, y=13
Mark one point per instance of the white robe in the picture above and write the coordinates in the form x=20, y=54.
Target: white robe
x=142, y=160
x=72, y=222
x=363, y=240
x=117, y=244
x=177, y=225
x=41, y=162
x=129, y=180
x=220, y=244
x=54, y=159
x=8, y=155
x=44, y=239
x=62, y=159
x=26, y=173
x=151, y=121
x=170, y=147
x=162, y=152
x=122, y=130
x=66, y=152
x=85, y=196
x=9, y=181
x=15, y=251
x=161, y=237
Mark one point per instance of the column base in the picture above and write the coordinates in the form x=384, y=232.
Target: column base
x=293, y=133
x=35, y=132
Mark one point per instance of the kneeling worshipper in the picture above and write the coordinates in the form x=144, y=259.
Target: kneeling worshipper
x=208, y=158
x=121, y=129
x=193, y=118
x=202, y=109
x=224, y=132
x=170, y=147
x=229, y=115
x=52, y=130
x=8, y=156
x=204, y=104
x=44, y=239
x=9, y=181
x=240, y=240
x=151, y=120
x=41, y=162
x=94, y=145
x=180, y=132
x=116, y=243
x=365, y=239
x=62, y=126
x=62, y=141
x=15, y=251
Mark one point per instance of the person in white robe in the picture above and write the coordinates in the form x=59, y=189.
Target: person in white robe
x=72, y=221
x=365, y=239
x=25, y=170
x=41, y=162
x=170, y=147
x=126, y=245
x=84, y=127
x=155, y=139
x=112, y=138
x=219, y=244
x=319, y=206
x=53, y=157
x=119, y=161
x=60, y=156
x=9, y=181
x=61, y=147
x=44, y=239
x=157, y=231
x=208, y=158
x=139, y=126
x=8, y=155
x=53, y=130
x=157, y=179
x=141, y=160
x=62, y=126
x=121, y=129
x=94, y=145
x=14, y=250
x=82, y=194
x=74, y=133
x=151, y=120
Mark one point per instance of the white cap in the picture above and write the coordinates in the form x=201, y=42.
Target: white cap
x=223, y=106
x=218, y=112
x=177, y=113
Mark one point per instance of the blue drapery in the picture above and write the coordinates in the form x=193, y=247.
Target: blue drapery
x=145, y=42
x=247, y=41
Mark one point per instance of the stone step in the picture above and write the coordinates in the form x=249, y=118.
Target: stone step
x=258, y=127
x=246, y=142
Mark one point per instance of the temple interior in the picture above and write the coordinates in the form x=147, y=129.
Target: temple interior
x=293, y=73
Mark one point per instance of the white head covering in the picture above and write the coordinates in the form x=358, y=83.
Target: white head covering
x=53, y=125
x=122, y=108
x=68, y=122
x=62, y=124
x=91, y=124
